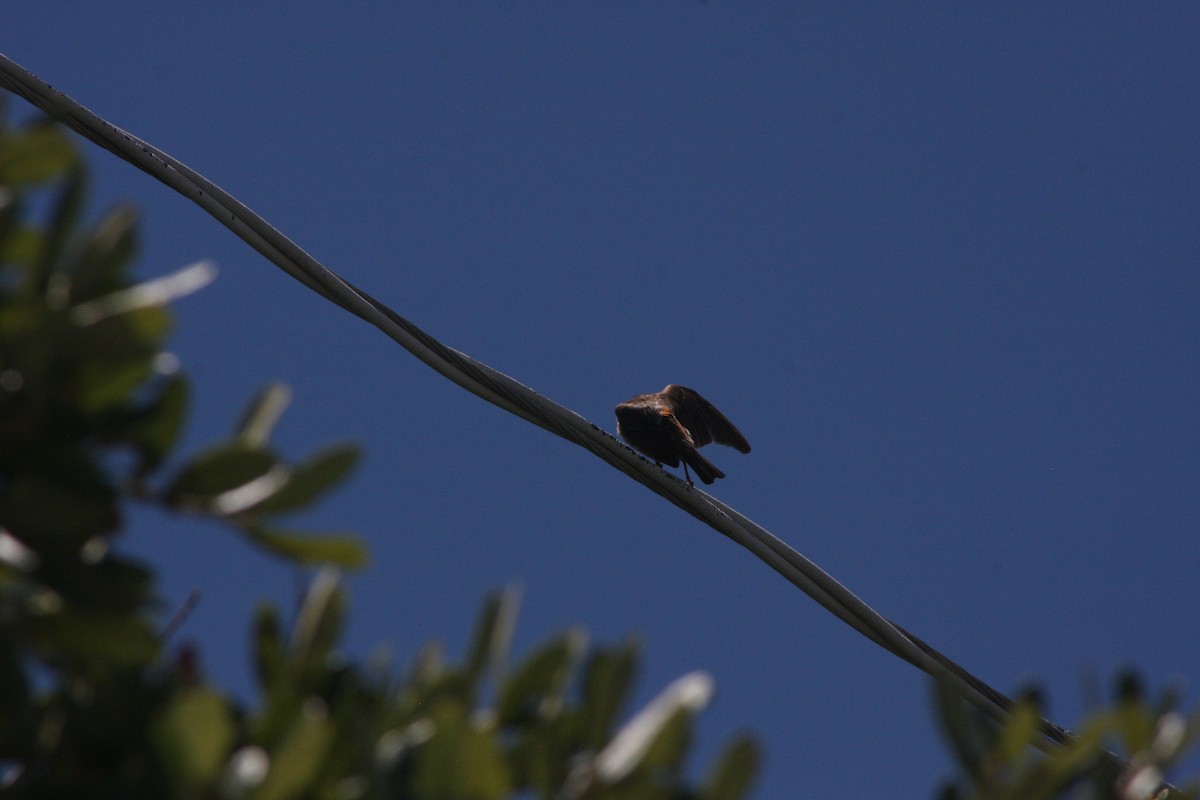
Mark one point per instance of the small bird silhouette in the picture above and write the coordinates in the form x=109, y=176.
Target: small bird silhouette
x=669, y=425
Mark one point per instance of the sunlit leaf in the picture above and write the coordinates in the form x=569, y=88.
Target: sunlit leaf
x=492, y=640
x=658, y=734
x=319, y=624
x=263, y=414
x=667, y=749
x=312, y=478
x=154, y=293
x=218, y=470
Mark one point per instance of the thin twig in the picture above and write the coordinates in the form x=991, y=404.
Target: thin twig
x=180, y=616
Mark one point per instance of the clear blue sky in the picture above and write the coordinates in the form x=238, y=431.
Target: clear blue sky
x=941, y=268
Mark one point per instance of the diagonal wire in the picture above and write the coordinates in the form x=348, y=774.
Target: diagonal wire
x=516, y=398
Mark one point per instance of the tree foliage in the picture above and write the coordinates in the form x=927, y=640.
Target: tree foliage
x=1001, y=762
x=96, y=702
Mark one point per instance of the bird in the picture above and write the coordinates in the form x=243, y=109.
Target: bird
x=670, y=425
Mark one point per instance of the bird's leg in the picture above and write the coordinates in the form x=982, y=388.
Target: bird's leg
x=686, y=475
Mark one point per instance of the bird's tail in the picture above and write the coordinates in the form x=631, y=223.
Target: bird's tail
x=706, y=471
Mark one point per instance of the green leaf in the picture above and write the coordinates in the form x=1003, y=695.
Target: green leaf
x=542, y=755
x=659, y=734
x=268, y=646
x=1065, y=765
x=1133, y=717
x=104, y=385
x=109, y=248
x=34, y=156
x=607, y=682
x=11, y=212
x=318, y=626
x=536, y=689
x=428, y=665
x=21, y=245
x=193, y=736
x=971, y=735
x=157, y=293
x=459, y=762
x=263, y=414
x=484, y=636
x=339, y=550
x=670, y=745
x=59, y=511
x=492, y=641
x=291, y=674
x=18, y=721
x=64, y=219
x=734, y=773
x=312, y=478
x=216, y=471
x=154, y=428
x=97, y=639
x=1018, y=732
x=138, y=333
x=114, y=584
x=300, y=757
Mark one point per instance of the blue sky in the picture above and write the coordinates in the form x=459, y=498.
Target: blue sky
x=939, y=265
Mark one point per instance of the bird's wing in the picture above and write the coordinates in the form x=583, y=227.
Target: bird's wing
x=702, y=419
